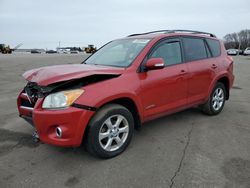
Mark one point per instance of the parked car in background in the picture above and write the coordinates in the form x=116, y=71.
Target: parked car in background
x=232, y=51
x=247, y=51
x=74, y=52
x=63, y=51
x=240, y=52
x=51, y=52
x=125, y=83
x=34, y=51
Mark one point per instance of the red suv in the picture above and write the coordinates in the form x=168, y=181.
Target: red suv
x=125, y=83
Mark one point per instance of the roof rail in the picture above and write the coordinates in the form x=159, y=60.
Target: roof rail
x=151, y=32
x=175, y=31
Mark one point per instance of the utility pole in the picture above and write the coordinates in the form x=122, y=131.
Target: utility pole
x=239, y=48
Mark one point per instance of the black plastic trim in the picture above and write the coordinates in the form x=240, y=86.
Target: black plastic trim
x=85, y=107
x=28, y=119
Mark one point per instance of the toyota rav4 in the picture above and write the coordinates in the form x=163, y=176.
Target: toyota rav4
x=125, y=83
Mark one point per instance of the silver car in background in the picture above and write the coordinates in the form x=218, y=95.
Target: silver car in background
x=232, y=51
x=247, y=51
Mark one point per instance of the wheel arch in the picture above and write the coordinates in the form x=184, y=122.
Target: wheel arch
x=224, y=79
x=131, y=105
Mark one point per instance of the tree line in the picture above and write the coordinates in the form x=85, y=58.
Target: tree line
x=239, y=40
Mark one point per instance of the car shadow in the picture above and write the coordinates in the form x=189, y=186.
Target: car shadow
x=156, y=126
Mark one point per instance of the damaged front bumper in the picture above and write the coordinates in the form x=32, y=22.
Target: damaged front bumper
x=28, y=119
x=72, y=122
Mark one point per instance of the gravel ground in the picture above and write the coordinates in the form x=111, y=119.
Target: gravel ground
x=186, y=149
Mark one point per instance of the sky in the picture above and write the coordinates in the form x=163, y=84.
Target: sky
x=45, y=23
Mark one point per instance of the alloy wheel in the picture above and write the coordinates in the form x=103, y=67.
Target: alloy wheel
x=218, y=99
x=113, y=132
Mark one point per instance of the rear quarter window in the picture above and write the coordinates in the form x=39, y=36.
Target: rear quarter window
x=194, y=49
x=214, y=46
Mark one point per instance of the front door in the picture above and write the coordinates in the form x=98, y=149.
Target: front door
x=165, y=89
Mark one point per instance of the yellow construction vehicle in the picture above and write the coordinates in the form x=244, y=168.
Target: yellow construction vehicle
x=90, y=49
x=5, y=49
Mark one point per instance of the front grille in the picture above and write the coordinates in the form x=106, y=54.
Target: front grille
x=26, y=103
x=30, y=95
x=31, y=91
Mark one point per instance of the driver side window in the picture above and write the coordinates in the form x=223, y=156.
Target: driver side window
x=169, y=51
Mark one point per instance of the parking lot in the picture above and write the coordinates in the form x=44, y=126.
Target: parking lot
x=187, y=149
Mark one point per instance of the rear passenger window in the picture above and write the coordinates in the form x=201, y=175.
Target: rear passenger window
x=214, y=46
x=194, y=49
x=170, y=52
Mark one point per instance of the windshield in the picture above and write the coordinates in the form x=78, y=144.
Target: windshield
x=118, y=53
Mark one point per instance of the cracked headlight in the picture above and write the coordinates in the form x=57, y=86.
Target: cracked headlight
x=61, y=99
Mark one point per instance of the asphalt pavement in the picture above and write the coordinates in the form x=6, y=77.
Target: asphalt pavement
x=186, y=149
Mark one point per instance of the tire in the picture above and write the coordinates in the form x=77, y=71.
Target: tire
x=216, y=101
x=104, y=138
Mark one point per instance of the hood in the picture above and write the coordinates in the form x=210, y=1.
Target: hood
x=52, y=74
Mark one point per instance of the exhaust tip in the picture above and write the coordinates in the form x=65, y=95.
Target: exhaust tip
x=58, y=132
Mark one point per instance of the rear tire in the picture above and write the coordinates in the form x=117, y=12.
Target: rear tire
x=216, y=101
x=109, y=131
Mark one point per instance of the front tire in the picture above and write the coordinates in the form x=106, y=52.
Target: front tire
x=216, y=101
x=110, y=131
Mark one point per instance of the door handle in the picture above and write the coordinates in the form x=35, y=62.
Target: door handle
x=183, y=72
x=214, y=66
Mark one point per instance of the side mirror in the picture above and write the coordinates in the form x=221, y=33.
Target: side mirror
x=154, y=64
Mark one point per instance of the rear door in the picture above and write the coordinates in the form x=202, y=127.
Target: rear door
x=201, y=67
x=165, y=89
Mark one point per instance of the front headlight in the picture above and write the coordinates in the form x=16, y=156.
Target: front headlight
x=61, y=99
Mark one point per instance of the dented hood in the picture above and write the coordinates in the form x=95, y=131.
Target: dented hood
x=48, y=75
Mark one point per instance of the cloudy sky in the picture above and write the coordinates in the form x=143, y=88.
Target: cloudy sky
x=43, y=23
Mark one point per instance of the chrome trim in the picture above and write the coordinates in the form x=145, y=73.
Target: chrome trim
x=159, y=64
x=27, y=108
x=58, y=132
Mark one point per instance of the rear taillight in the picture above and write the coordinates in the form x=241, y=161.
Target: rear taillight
x=231, y=63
